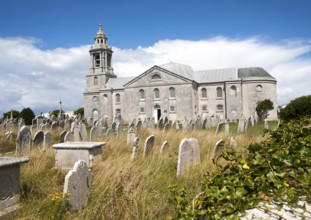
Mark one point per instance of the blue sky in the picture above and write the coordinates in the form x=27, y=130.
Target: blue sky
x=44, y=44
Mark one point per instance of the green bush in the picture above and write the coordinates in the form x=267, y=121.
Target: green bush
x=263, y=107
x=277, y=170
x=297, y=108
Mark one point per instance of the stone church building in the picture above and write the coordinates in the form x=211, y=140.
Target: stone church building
x=173, y=90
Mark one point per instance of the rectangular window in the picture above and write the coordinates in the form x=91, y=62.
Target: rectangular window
x=142, y=110
x=172, y=108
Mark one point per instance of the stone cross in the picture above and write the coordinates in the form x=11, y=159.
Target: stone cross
x=188, y=155
x=148, y=145
x=78, y=185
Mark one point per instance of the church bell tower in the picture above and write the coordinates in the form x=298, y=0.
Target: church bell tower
x=101, y=67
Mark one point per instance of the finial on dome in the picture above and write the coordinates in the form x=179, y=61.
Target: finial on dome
x=100, y=32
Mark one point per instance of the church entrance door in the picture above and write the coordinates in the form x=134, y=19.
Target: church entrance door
x=156, y=113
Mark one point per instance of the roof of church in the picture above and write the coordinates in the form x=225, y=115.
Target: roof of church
x=201, y=76
x=117, y=83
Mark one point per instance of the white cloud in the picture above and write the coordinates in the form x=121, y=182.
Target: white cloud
x=36, y=78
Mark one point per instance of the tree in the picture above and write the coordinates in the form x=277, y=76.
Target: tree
x=297, y=108
x=56, y=112
x=8, y=114
x=263, y=107
x=79, y=111
x=27, y=114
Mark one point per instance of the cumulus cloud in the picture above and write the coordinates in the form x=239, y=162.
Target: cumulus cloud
x=37, y=78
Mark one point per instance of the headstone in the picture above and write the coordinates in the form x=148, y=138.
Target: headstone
x=119, y=129
x=161, y=124
x=227, y=129
x=47, y=139
x=93, y=133
x=109, y=133
x=188, y=155
x=138, y=124
x=204, y=124
x=266, y=124
x=219, y=127
x=233, y=142
x=197, y=123
x=83, y=132
x=241, y=125
x=38, y=139
x=68, y=136
x=165, y=121
x=166, y=127
x=246, y=124
x=218, y=149
x=54, y=125
x=10, y=126
x=62, y=136
x=78, y=185
x=130, y=135
x=23, y=141
x=76, y=132
x=135, y=149
x=164, y=147
x=148, y=145
x=175, y=125
x=184, y=125
x=189, y=125
x=114, y=126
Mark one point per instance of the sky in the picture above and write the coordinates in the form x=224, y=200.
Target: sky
x=44, y=45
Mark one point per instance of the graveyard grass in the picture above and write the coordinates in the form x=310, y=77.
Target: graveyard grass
x=121, y=188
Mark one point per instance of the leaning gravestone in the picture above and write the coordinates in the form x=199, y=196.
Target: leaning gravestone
x=62, y=137
x=77, y=185
x=218, y=148
x=47, y=139
x=149, y=143
x=23, y=141
x=38, y=139
x=135, y=149
x=188, y=155
x=164, y=147
x=139, y=124
x=219, y=128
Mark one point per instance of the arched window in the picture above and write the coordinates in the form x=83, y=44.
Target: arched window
x=156, y=76
x=156, y=93
x=95, y=81
x=118, y=112
x=259, y=88
x=172, y=92
x=219, y=92
x=97, y=60
x=118, y=98
x=233, y=91
x=204, y=93
x=219, y=108
x=141, y=94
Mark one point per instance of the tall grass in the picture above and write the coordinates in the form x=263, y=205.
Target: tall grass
x=121, y=188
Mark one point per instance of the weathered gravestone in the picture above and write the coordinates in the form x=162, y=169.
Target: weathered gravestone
x=164, y=147
x=233, y=142
x=78, y=185
x=23, y=141
x=68, y=136
x=188, y=155
x=227, y=129
x=109, y=133
x=219, y=128
x=138, y=124
x=241, y=125
x=197, y=123
x=175, y=125
x=204, y=124
x=47, y=139
x=161, y=124
x=119, y=129
x=135, y=149
x=130, y=135
x=149, y=143
x=93, y=133
x=62, y=136
x=83, y=132
x=38, y=139
x=218, y=149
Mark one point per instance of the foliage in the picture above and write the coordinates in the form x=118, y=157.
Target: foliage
x=278, y=170
x=8, y=114
x=297, y=108
x=59, y=206
x=27, y=114
x=263, y=107
x=56, y=112
x=79, y=111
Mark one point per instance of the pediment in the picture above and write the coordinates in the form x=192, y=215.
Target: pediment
x=157, y=76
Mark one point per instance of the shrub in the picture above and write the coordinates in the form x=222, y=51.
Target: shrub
x=262, y=109
x=27, y=114
x=297, y=108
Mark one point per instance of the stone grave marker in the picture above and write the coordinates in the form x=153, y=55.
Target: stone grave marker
x=76, y=132
x=219, y=128
x=130, y=135
x=218, y=149
x=188, y=155
x=233, y=142
x=54, y=125
x=62, y=136
x=93, y=133
x=119, y=129
x=24, y=140
x=47, y=140
x=149, y=143
x=227, y=129
x=109, y=133
x=83, y=132
x=241, y=125
x=175, y=125
x=135, y=149
x=204, y=123
x=38, y=139
x=197, y=123
x=161, y=124
x=164, y=147
x=68, y=136
x=78, y=185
